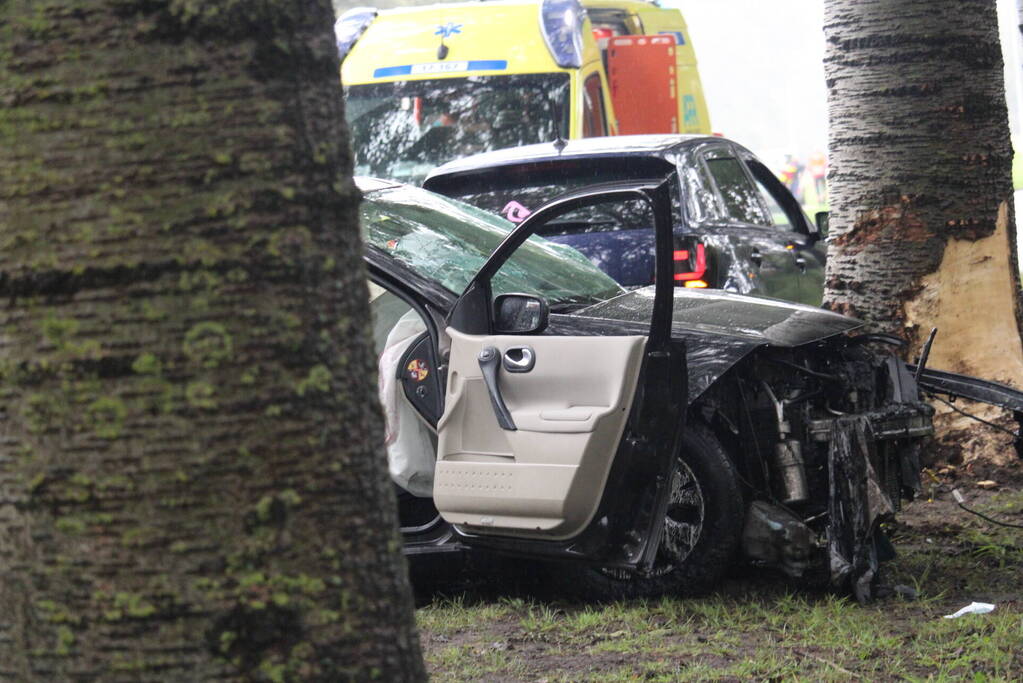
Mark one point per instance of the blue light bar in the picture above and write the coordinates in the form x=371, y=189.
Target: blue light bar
x=561, y=22
x=350, y=26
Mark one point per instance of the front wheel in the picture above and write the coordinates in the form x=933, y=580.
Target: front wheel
x=702, y=529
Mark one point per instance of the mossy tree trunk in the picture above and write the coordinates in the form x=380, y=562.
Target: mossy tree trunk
x=192, y=484
x=921, y=227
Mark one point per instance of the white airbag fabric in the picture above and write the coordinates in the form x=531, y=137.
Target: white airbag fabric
x=410, y=452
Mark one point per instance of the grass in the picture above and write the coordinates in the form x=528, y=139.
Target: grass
x=778, y=638
x=452, y=615
x=760, y=628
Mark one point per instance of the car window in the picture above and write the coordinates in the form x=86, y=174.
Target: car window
x=516, y=191
x=701, y=202
x=594, y=121
x=401, y=130
x=610, y=237
x=778, y=217
x=629, y=215
x=448, y=242
x=740, y=197
x=386, y=309
x=785, y=211
x=617, y=236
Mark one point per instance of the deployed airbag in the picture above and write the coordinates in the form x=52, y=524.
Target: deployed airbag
x=410, y=449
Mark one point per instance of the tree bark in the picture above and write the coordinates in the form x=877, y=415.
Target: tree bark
x=922, y=229
x=192, y=484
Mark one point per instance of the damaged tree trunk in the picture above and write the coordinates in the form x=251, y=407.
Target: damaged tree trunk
x=192, y=484
x=922, y=232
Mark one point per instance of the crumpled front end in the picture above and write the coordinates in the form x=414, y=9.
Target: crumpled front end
x=828, y=436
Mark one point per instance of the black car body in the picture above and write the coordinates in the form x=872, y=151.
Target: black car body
x=736, y=227
x=648, y=438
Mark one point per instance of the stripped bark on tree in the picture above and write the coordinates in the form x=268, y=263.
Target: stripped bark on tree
x=922, y=231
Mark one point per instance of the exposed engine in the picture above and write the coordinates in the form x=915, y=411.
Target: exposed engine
x=828, y=439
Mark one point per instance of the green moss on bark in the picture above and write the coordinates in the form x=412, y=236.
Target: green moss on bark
x=173, y=182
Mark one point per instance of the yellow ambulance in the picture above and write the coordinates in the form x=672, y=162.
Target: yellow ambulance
x=425, y=85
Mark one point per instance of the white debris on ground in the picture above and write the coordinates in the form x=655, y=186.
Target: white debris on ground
x=972, y=608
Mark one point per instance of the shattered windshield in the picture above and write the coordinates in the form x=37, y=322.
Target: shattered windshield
x=403, y=130
x=448, y=241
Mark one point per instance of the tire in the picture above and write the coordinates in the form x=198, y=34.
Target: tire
x=703, y=526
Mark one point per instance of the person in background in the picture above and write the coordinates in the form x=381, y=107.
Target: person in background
x=787, y=172
x=790, y=174
x=818, y=168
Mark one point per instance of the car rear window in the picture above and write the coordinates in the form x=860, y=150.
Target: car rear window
x=514, y=192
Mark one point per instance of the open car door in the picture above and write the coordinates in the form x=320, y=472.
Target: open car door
x=558, y=440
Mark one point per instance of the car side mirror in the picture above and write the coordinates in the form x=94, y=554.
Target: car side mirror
x=821, y=220
x=520, y=314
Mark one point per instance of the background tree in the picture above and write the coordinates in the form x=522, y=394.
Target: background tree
x=922, y=233
x=192, y=484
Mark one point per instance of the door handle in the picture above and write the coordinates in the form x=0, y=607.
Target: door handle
x=489, y=360
x=756, y=257
x=519, y=359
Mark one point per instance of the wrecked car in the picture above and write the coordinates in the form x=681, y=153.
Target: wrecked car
x=647, y=439
x=737, y=227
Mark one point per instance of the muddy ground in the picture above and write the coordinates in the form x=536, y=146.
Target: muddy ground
x=500, y=621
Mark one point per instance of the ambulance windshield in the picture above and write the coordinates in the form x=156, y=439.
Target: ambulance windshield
x=403, y=130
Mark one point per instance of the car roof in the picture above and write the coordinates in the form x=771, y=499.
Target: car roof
x=619, y=145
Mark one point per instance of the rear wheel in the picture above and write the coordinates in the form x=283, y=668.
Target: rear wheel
x=702, y=529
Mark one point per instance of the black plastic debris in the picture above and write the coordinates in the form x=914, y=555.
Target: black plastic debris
x=857, y=504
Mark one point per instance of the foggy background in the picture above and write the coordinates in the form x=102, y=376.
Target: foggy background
x=761, y=63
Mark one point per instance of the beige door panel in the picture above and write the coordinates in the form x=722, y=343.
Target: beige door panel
x=546, y=478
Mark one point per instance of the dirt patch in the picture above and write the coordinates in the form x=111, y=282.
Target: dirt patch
x=961, y=440
x=495, y=619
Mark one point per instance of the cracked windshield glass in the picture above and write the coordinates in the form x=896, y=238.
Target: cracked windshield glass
x=449, y=241
x=404, y=130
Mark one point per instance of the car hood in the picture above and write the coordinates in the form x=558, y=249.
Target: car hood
x=719, y=329
x=743, y=318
